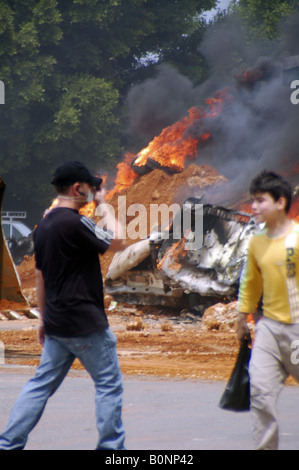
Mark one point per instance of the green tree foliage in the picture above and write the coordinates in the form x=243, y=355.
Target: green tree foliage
x=265, y=16
x=67, y=65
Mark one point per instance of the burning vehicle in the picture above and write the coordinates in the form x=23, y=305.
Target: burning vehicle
x=162, y=271
x=238, y=132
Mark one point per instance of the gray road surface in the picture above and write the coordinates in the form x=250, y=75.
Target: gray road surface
x=158, y=415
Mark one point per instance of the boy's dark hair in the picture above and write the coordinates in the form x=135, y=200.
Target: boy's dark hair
x=270, y=182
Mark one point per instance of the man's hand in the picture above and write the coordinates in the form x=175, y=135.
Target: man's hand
x=99, y=196
x=243, y=331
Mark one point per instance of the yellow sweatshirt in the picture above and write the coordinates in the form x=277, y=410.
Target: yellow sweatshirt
x=272, y=271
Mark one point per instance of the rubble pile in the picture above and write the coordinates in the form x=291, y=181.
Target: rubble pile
x=221, y=317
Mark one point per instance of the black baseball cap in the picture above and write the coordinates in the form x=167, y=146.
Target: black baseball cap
x=72, y=172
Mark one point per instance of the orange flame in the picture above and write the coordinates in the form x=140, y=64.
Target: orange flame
x=89, y=209
x=125, y=176
x=171, y=257
x=173, y=147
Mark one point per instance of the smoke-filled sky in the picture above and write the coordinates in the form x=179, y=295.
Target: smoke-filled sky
x=258, y=127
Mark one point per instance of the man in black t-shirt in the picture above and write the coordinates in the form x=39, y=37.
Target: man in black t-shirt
x=73, y=280
x=73, y=320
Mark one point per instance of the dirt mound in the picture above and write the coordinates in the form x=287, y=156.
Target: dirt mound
x=159, y=187
x=26, y=271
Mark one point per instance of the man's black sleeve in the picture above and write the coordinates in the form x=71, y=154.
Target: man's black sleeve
x=94, y=236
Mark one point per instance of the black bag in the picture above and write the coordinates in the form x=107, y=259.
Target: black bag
x=236, y=396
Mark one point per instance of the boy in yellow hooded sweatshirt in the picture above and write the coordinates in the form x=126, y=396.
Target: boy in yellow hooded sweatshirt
x=271, y=272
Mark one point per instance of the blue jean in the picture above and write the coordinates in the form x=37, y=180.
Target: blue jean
x=97, y=353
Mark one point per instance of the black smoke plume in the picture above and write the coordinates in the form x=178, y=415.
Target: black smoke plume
x=258, y=126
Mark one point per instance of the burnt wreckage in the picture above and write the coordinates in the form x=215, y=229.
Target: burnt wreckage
x=159, y=271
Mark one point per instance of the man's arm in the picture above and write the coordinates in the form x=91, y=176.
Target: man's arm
x=110, y=223
x=250, y=292
x=41, y=301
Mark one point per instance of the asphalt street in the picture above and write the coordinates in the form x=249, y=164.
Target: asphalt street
x=158, y=414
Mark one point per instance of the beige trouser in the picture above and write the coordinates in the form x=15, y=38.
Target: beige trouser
x=273, y=359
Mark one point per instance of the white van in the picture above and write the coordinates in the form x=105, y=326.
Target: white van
x=14, y=229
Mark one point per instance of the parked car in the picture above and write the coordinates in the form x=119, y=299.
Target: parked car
x=17, y=234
